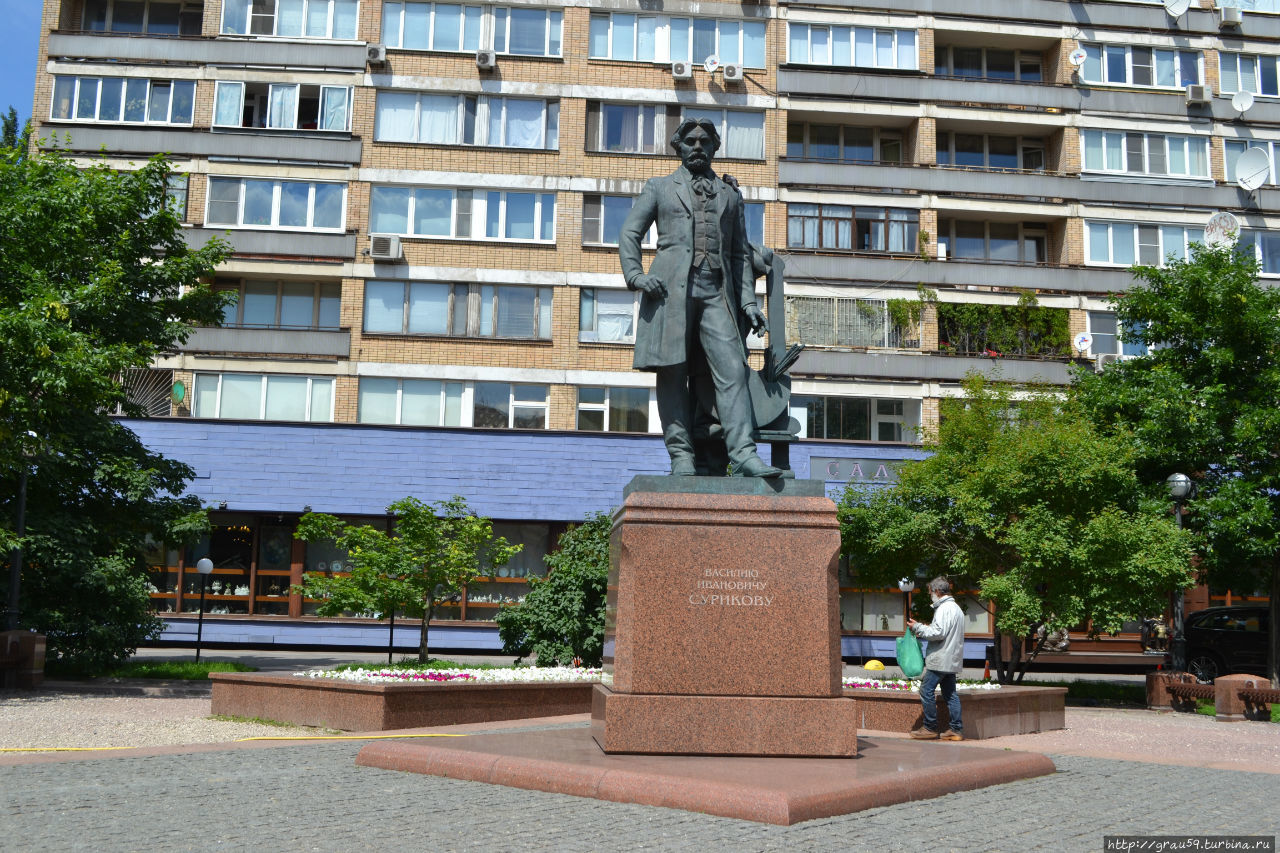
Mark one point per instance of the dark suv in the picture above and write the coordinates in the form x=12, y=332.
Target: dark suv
x=1227, y=639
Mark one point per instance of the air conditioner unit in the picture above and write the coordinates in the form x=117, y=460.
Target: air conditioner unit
x=1232, y=18
x=1101, y=361
x=384, y=247
x=732, y=72
x=1199, y=94
x=486, y=60
x=682, y=70
x=376, y=54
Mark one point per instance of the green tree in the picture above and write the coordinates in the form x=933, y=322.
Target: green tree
x=562, y=617
x=95, y=280
x=11, y=139
x=1025, y=502
x=1206, y=402
x=433, y=552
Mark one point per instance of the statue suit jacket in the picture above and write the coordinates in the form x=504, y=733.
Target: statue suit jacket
x=660, y=337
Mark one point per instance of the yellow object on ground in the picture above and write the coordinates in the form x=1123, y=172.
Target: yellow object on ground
x=873, y=664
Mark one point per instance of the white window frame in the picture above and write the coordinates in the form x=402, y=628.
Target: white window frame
x=481, y=27
x=665, y=28
x=245, y=27
x=79, y=80
x=238, y=88
x=812, y=35
x=274, y=225
x=552, y=34
x=1027, y=232
x=592, y=334
x=1189, y=236
x=480, y=115
x=464, y=398
x=513, y=402
x=723, y=126
x=477, y=304
x=483, y=201
x=909, y=421
x=649, y=241
x=656, y=120
x=1256, y=237
x=1231, y=64
x=1021, y=59
x=651, y=410
x=1230, y=156
x=1101, y=50
x=236, y=321
x=262, y=398
x=1123, y=140
x=461, y=212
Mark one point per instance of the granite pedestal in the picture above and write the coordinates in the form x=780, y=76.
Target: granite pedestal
x=722, y=628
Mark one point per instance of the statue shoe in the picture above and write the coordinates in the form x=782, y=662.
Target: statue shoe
x=683, y=468
x=756, y=467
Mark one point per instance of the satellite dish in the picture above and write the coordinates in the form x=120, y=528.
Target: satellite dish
x=1083, y=341
x=1241, y=101
x=1253, y=168
x=1222, y=230
x=712, y=63
x=1177, y=8
x=1077, y=57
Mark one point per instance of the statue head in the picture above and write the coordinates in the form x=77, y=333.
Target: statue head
x=696, y=140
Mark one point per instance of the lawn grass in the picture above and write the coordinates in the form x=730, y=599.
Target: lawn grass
x=1099, y=693
x=181, y=670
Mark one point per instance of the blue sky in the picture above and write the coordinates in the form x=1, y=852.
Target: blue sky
x=21, y=20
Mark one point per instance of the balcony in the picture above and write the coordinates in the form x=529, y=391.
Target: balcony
x=293, y=146
x=334, y=343
x=928, y=367
x=290, y=244
x=955, y=274
x=1136, y=190
x=344, y=56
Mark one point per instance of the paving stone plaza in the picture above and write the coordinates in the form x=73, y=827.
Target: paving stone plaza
x=312, y=797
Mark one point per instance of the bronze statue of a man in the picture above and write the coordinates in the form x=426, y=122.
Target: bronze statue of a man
x=698, y=296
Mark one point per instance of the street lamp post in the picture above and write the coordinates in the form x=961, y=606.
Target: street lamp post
x=20, y=528
x=908, y=586
x=1181, y=488
x=204, y=566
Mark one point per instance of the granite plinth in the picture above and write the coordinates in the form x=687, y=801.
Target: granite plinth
x=724, y=594
x=781, y=791
x=379, y=707
x=723, y=725
x=1228, y=706
x=986, y=713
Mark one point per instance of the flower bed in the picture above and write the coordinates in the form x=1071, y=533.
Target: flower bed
x=910, y=685
x=497, y=675
x=988, y=711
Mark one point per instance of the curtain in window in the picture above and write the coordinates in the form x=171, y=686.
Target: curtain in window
x=297, y=304
x=318, y=18
x=420, y=402
x=516, y=318
x=289, y=17
x=438, y=123
x=377, y=401
x=864, y=47
x=704, y=39
x=753, y=44
x=448, y=27
x=522, y=211
x=680, y=38
x=524, y=120
x=528, y=32
x=730, y=46
x=397, y=113
x=286, y=398
x=333, y=107
x=282, y=110
x=204, y=400
x=384, y=306
x=417, y=26
x=429, y=308
x=344, y=18
x=906, y=50
x=241, y=397
x=259, y=309
x=646, y=38
x=745, y=135
x=598, y=39
x=615, y=315
x=624, y=37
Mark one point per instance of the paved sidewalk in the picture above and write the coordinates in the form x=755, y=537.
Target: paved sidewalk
x=312, y=797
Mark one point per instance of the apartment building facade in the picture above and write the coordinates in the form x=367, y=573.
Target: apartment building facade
x=423, y=202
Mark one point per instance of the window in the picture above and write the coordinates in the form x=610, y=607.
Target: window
x=1145, y=153
x=245, y=396
x=463, y=214
x=602, y=218
x=843, y=143
x=459, y=310
x=741, y=132
x=1000, y=242
x=855, y=418
x=754, y=213
x=1236, y=147
x=325, y=19
x=119, y=99
x=1109, y=336
x=660, y=38
x=613, y=409
x=152, y=17
x=1129, y=243
x=282, y=105
x=175, y=196
x=827, y=321
x=630, y=128
x=520, y=216
x=865, y=47
x=607, y=316
x=450, y=27
x=467, y=120
x=417, y=402
x=264, y=203
x=844, y=227
x=1247, y=72
x=499, y=405
x=282, y=304
x=988, y=63
x=1123, y=65
x=990, y=151
x=1263, y=245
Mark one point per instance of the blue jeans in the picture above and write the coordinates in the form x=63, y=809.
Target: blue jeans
x=928, y=684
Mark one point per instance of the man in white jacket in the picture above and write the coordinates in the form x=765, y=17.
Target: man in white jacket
x=943, y=660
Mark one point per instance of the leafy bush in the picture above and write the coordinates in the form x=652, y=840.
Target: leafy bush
x=562, y=617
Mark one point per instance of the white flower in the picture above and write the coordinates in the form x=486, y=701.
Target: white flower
x=507, y=675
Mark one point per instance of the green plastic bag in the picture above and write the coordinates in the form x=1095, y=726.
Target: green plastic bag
x=910, y=660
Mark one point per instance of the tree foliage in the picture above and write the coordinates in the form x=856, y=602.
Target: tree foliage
x=1025, y=502
x=11, y=137
x=95, y=280
x=562, y=617
x=1206, y=402
x=433, y=552
x=1026, y=328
